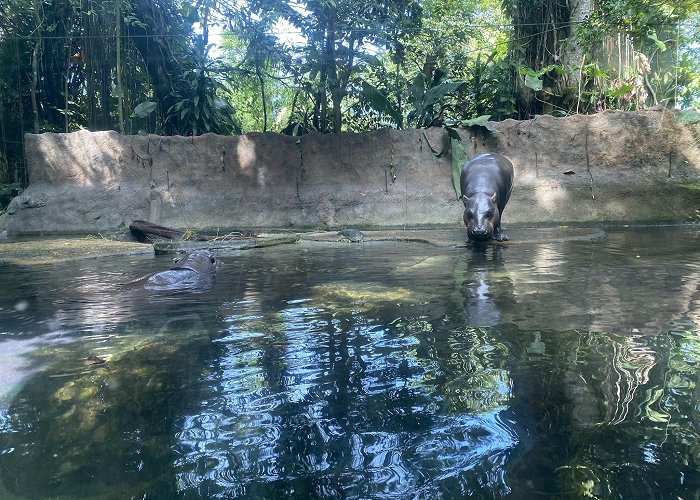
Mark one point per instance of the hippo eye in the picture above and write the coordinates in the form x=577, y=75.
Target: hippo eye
x=489, y=214
x=212, y=259
x=470, y=214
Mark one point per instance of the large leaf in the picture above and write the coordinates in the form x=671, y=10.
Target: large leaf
x=459, y=158
x=438, y=93
x=688, y=116
x=533, y=82
x=593, y=71
x=659, y=44
x=381, y=103
x=533, y=79
x=622, y=90
x=552, y=67
x=418, y=89
x=144, y=109
x=480, y=121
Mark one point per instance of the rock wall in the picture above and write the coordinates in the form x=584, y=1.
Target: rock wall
x=608, y=167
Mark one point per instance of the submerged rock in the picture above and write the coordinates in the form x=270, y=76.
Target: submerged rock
x=352, y=235
x=93, y=360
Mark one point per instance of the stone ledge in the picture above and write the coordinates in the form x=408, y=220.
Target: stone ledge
x=49, y=251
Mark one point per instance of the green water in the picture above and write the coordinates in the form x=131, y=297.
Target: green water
x=374, y=370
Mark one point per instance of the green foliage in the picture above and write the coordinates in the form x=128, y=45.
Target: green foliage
x=466, y=41
x=260, y=71
x=424, y=103
x=619, y=92
x=660, y=31
x=479, y=121
x=688, y=116
x=198, y=109
x=688, y=65
x=381, y=103
x=255, y=58
x=459, y=158
x=534, y=79
x=8, y=192
x=338, y=40
x=642, y=20
x=144, y=109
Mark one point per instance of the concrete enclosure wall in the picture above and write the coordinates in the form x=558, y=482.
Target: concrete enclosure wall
x=612, y=166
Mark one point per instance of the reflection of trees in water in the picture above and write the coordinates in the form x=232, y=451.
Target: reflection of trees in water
x=632, y=428
x=361, y=384
x=632, y=284
x=692, y=290
x=615, y=367
x=354, y=390
x=483, y=286
x=472, y=374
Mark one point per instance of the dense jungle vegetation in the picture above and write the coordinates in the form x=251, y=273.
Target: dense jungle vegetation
x=235, y=66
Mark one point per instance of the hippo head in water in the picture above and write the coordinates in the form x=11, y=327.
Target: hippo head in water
x=194, y=272
x=482, y=217
x=200, y=261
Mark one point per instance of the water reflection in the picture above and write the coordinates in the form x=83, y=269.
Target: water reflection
x=341, y=408
x=485, y=284
x=360, y=371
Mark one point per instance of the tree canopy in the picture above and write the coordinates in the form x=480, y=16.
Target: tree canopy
x=183, y=67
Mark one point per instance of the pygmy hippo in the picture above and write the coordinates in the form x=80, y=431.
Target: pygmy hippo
x=193, y=271
x=486, y=182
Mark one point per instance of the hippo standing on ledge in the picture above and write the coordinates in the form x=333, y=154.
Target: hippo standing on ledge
x=486, y=183
x=194, y=271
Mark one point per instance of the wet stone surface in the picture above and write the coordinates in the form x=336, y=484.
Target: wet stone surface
x=43, y=251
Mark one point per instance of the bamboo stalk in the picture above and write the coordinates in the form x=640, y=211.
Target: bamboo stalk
x=120, y=98
x=35, y=69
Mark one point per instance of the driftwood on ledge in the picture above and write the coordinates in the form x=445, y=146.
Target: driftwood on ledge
x=144, y=230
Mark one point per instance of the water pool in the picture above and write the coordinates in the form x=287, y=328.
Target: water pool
x=374, y=370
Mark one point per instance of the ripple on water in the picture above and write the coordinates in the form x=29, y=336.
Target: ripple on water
x=348, y=373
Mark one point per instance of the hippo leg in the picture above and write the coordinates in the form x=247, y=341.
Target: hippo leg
x=499, y=235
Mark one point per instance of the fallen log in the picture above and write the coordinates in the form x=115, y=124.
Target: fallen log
x=143, y=230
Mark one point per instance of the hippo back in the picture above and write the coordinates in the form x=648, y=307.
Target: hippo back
x=195, y=272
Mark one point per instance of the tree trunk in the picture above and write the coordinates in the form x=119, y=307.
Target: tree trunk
x=66, y=94
x=340, y=89
x=333, y=83
x=35, y=68
x=35, y=81
x=258, y=73
x=120, y=91
x=572, y=53
x=143, y=229
x=544, y=26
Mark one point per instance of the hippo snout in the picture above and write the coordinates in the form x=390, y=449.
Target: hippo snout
x=480, y=234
